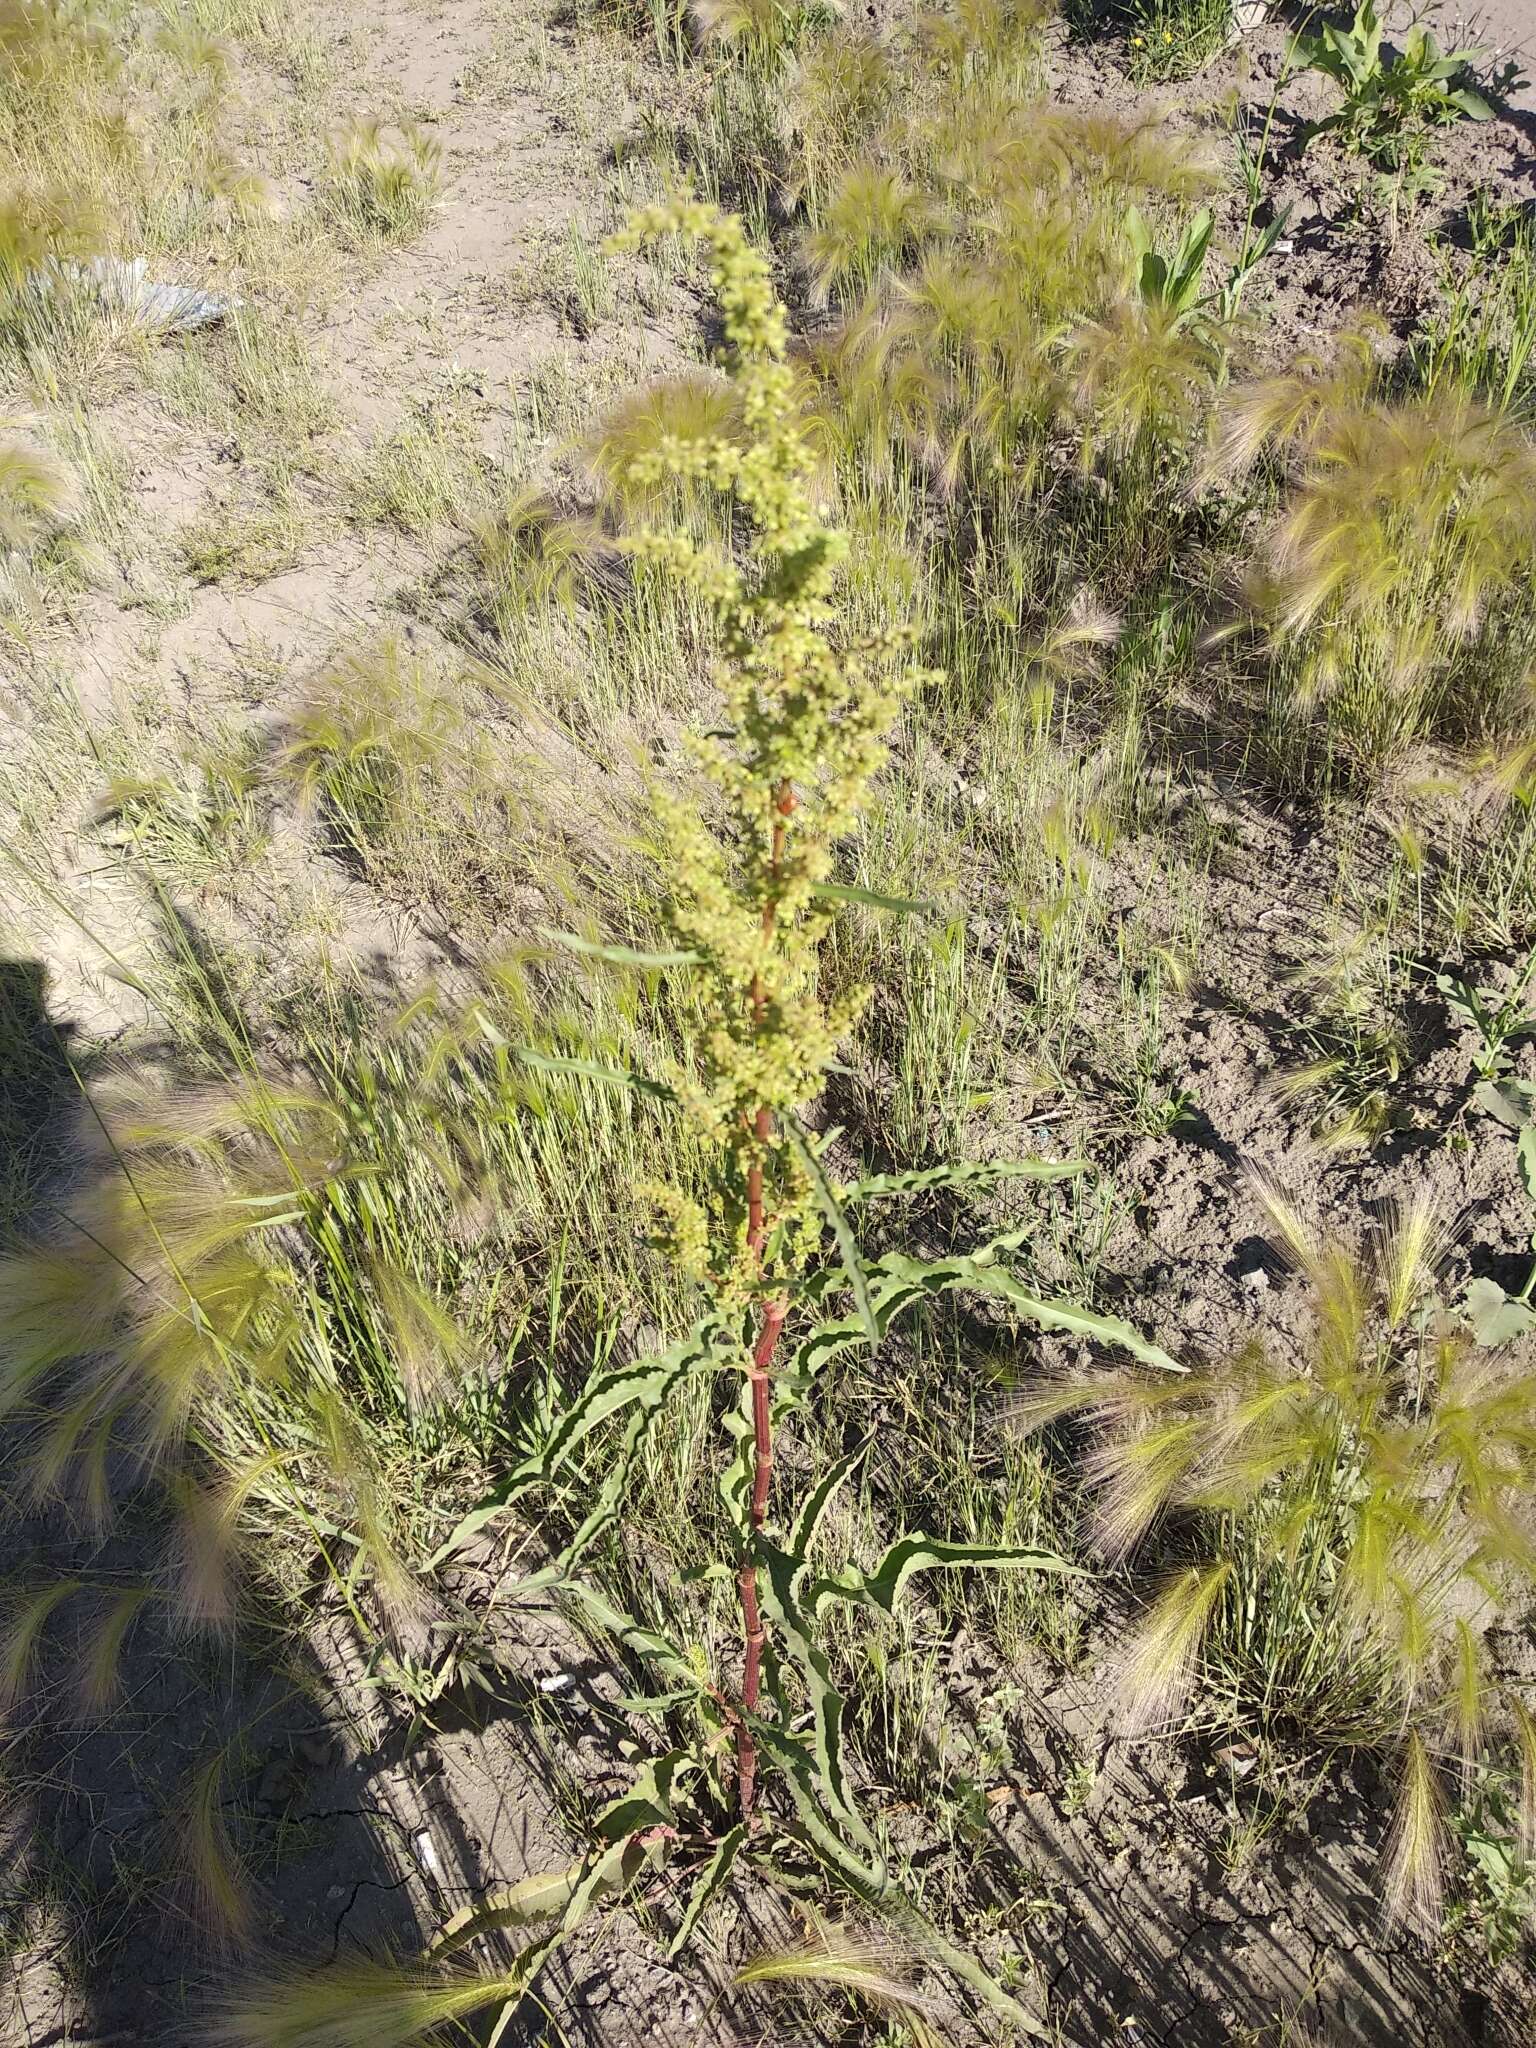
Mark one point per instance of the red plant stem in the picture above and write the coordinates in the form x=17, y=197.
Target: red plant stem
x=760, y=1371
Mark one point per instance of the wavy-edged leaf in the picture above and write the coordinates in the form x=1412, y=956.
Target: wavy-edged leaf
x=984, y=1277
x=884, y=1586
x=648, y=1801
x=655, y=1704
x=644, y=1383
x=610, y=1868
x=803, y=1782
x=736, y=1477
x=977, y=1174
x=897, y=1283
x=779, y=1579
x=522, y=1905
x=962, y=1964
x=839, y=1334
x=1525, y=1160
x=847, y=1243
x=600, y=1611
x=813, y=1509
x=609, y=1497
x=711, y=1878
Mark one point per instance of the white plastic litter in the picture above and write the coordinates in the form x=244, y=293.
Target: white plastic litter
x=129, y=297
x=125, y=290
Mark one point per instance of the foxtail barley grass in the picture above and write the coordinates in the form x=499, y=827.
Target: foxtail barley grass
x=1393, y=586
x=357, y=2004
x=1362, y=1506
x=383, y=183
x=870, y=1969
x=217, y=1891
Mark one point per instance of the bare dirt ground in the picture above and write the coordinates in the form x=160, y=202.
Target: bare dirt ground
x=1507, y=27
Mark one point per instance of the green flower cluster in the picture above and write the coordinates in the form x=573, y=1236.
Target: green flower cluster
x=805, y=730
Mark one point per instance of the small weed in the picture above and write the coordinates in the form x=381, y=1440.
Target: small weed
x=429, y=473
x=1498, y=1893
x=364, y=747
x=1392, y=104
x=1356, y=1047
x=245, y=543
x=1500, y=1019
x=1176, y=38
x=44, y=538
x=1479, y=339
x=204, y=820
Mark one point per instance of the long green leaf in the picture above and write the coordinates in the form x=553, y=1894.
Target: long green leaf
x=521, y=1905
x=1511, y=1100
x=813, y=1508
x=814, y=1352
x=982, y=1276
x=847, y=1243
x=977, y=1174
x=962, y=1964
x=626, y=1847
x=848, y=892
x=646, y=1382
x=883, y=1587
x=1525, y=1160
x=620, y=956
x=711, y=1878
x=642, y=1642
x=609, y=1498
x=648, y=1801
x=735, y=1484
x=592, y=1070
x=778, y=1582
x=897, y=1283
x=804, y=1783
x=643, y=1383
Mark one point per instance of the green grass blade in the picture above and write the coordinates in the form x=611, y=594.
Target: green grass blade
x=619, y=956
x=847, y=892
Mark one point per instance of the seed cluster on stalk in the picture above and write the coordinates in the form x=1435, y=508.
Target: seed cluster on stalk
x=804, y=730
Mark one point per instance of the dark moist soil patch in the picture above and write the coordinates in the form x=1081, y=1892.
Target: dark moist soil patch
x=1341, y=257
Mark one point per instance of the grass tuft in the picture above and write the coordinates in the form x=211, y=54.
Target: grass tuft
x=383, y=184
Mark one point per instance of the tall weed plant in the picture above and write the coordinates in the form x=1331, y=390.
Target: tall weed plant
x=768, y=1236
